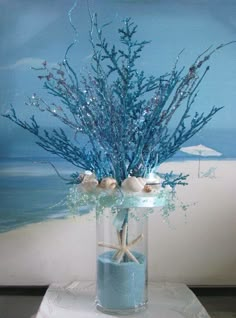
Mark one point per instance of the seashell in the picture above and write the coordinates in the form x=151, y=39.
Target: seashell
x=142, y=180
x=89, y=182
x=147, y=188
x=133, y=184
x=108, y=183
x=88, y=177
x=155, y=182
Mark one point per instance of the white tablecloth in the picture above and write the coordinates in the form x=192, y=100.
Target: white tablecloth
x=76, y=300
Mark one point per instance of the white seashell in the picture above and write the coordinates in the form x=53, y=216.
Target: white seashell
x=154, y=179
x=133, y=184
x=143, y=181
x=89, y=182
x=89, y=177
x=155, y=182
x=108, y=183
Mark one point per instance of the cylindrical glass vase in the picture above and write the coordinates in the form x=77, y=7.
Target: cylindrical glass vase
x=122, y=261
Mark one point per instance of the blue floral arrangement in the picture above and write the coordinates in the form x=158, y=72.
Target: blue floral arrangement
x=119, y=117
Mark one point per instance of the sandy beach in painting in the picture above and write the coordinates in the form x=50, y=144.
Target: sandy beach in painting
x=52, y=250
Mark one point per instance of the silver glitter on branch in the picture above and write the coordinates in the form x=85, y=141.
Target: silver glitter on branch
x=119, y=116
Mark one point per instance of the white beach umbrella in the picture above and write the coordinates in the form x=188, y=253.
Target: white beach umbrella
x=200, y=150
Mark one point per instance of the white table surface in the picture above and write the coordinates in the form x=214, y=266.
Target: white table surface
x=76, y=300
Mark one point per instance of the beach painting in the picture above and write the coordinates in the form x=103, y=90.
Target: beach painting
x=31, y=193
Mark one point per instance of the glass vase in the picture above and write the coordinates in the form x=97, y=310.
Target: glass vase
x=122, y=236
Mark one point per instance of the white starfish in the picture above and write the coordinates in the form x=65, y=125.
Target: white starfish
x=123, y=247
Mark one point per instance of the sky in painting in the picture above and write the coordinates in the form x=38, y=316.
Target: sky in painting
x=34, y=31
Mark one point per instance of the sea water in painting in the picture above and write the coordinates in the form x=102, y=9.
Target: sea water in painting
x=30, y=189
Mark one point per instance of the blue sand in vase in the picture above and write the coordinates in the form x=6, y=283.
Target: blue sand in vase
x=121, y=285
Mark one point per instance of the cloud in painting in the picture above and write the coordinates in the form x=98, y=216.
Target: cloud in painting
x=25, y=63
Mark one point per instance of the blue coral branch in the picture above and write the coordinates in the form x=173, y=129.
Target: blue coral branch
x=120, y=117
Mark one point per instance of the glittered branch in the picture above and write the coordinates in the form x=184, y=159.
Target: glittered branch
x=172, y=180
x=55, y=142
x=119, y=117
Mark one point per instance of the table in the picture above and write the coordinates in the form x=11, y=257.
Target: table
x=76, y=300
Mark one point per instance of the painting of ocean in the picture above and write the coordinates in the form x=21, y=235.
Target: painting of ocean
x=30, y=192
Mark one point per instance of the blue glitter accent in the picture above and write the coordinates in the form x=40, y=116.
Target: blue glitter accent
x=123, y=115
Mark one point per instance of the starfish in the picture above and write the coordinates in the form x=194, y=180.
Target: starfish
x=123, y=247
